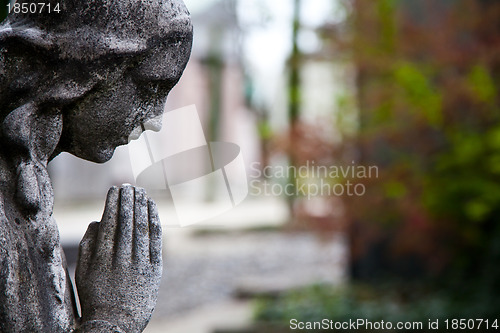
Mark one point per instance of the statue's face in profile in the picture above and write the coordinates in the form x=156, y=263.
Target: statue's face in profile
x=132, y=94
x=106, y=66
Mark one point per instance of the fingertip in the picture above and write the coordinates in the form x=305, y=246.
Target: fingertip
x=140, y=196
x=91, y=232
x=113, y=190
x=140, y=189
x=126, y=204
x=111, y=199
x=140, y=245
x=155, y=227
x=107, y=226
x=155, y=230
x=123, y=236
x=88, y=241
x=93, y=227
x=126, y=190
x=152, y=208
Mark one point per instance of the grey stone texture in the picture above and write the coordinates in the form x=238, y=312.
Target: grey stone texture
x=81, y=81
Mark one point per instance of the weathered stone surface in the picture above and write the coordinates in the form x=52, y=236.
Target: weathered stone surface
x=120, y=261
x=81, y=81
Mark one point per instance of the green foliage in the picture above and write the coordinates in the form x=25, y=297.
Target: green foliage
x=418, y=92
x=265, y=130
x=465, y=182
x=482, y=85
x=386, y=10
x=395, y=189
x=429, y=108
x=408, y=303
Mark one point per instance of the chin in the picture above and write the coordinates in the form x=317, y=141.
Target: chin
x=99, y=155
x=104, y=156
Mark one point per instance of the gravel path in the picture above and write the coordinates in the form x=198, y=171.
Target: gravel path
x=207, y=269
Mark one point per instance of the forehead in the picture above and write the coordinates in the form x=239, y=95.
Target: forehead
x=97, y=27
x=134, y=18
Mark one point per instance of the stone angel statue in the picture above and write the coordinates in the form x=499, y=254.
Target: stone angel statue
x=80, y=79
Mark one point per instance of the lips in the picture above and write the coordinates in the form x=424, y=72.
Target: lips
x=153, y=124
x=135, y=134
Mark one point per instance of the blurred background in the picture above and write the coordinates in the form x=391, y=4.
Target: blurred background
x=390, y=106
